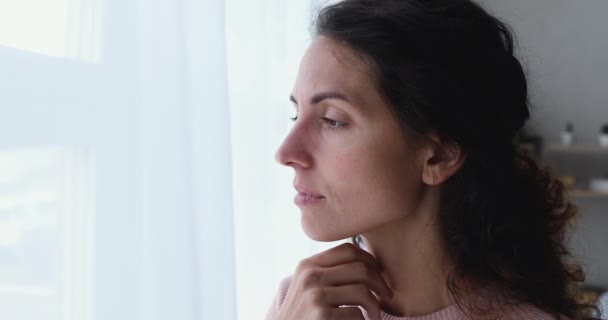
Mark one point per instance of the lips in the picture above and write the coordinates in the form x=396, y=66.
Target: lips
x=307, y=192
x=307, y=197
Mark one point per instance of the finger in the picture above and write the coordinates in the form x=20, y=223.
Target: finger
x=356, y=273
x=352, y=295
x=344, y=253
x=347, y=313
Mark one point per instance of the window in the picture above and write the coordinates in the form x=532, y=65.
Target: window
x=58, y=28
x=45, y=233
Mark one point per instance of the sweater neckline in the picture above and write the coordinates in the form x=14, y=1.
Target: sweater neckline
x=448, y=312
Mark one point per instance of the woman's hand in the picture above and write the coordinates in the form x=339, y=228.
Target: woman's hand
x=342, y=276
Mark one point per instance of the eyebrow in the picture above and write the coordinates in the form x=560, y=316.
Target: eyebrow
x=322, y=96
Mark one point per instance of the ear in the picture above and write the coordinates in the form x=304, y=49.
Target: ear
x=442, y=161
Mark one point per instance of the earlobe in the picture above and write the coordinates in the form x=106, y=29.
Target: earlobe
x=432, y=176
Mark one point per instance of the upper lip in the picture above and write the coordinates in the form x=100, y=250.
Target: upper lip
x=307, y=191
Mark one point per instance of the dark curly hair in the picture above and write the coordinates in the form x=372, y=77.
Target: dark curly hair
x=448, y=67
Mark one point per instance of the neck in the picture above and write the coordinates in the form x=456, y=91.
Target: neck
x=414, y=260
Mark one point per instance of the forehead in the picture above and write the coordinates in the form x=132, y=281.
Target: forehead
x=329, y=65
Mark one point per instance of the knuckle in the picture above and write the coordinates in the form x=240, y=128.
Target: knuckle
x=303, y=265
x=311, y=277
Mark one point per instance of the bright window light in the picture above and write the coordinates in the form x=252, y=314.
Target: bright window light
x=45, y=233
x=58, y=28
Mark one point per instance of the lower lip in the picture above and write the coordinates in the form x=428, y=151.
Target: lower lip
x=306, y=200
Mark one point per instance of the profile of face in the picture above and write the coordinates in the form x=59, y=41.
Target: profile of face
x=355, y=167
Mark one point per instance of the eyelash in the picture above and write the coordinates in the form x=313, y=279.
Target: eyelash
x=328, y=120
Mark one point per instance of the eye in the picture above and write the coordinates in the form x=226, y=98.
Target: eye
x=334, y=123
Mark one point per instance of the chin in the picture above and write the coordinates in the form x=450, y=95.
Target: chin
x=322, y=237
x=322, y=234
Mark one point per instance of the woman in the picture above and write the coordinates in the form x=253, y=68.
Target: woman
x=404, y=138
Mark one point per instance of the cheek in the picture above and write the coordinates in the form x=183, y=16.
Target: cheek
x=372, y=188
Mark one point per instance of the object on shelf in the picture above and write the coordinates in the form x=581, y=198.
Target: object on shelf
x=603, y=138
x=602, y=304
x=590, y=295
x=586, y=194
x=568, y=135
x=568, y=181
x=598, y=185
x=579, y=148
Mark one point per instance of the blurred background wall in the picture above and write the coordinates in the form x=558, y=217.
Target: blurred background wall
x=564, y=48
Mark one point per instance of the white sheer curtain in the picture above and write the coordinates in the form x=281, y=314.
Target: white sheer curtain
x=137, y=178
x=266, y=40
x=187, y=267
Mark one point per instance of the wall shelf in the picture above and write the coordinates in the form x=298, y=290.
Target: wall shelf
x=581, y=193
x=577, y=148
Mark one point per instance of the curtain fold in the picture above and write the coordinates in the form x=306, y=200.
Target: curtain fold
x=187, y=220
x=265, y=41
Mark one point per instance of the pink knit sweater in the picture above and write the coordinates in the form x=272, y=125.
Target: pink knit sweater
x=453, y=312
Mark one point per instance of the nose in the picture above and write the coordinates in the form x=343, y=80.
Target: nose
x=293, y=151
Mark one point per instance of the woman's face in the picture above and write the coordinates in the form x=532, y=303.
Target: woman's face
x=347, y=147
